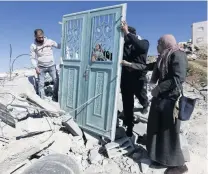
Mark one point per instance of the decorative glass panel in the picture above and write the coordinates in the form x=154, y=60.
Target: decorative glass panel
x=73, y=30
x=102, y=39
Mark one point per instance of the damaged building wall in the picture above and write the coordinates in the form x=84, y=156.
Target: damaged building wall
x=199, y=33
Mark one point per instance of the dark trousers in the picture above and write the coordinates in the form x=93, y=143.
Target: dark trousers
x=129, y=88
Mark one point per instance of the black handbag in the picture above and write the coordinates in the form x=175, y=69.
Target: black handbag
x=186, y=105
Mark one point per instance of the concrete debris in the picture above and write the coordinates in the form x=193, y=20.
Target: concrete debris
x=5, y=116
x=104, y=162
x=30, y=134
x=21, y=167
x=125, y=172
x=144, y=165
x=85, y=164
x=56, y=163
x=112, y=167
x=135, y=169
x=37, y=124
x=126, y=156
x=15, y=156
x=58, y=146
x=90, y=145
x=129, y=162
x=42, y=103
x=78, y=147
x=91, y=137
x=94, y=169
x=119, y=147
x=94, y=156
x=71, y=126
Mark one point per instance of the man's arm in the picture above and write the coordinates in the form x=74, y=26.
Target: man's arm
x=141, y=67
x=141, y=45
x=55, y=44
x=33, y=56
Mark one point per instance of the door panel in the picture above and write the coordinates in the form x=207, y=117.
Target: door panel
x=103, y=72
x=71, y=83
x=91, y=67
x=98, y=86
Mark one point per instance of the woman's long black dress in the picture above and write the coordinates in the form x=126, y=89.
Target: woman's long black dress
x=163, y=141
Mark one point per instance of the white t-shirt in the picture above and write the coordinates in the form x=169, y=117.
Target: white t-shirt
x=42, y=55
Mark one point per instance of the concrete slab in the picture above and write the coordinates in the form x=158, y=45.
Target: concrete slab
x=71, y=126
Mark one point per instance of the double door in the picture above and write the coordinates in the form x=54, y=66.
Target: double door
x=92, y=49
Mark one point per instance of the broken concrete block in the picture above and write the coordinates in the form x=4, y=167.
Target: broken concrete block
x=38, y=124
x=135, y=169
x=58, y=146
x=90, y=145
x=129, y=162
x=71, y=126
x=30, y=134
x=119, y=147
x=112, y=167
x=85, y=164
x=6, y=117
x=78, y=147
x=91, y=137
x=104, y=162
x=94, y=156
x=41, y=103
x=13, y=157
x=94, y=169
x=144, y=165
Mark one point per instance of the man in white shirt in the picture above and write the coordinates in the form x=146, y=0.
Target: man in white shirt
x=41, y=55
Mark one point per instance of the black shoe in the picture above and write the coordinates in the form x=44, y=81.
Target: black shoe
x=129, y=132
x=142, y=139
x=176, y=170
x=144, y=110
x=54, y=98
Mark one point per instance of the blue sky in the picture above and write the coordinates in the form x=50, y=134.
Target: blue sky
x=151, y=19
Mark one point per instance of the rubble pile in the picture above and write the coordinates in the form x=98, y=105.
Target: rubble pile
x=33, y=131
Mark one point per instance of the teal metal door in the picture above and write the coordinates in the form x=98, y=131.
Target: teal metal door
x=92, y=49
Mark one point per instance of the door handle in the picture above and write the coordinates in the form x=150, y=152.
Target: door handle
x=86, y=73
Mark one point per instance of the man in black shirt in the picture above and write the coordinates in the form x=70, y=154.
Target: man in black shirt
x=133, y=79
